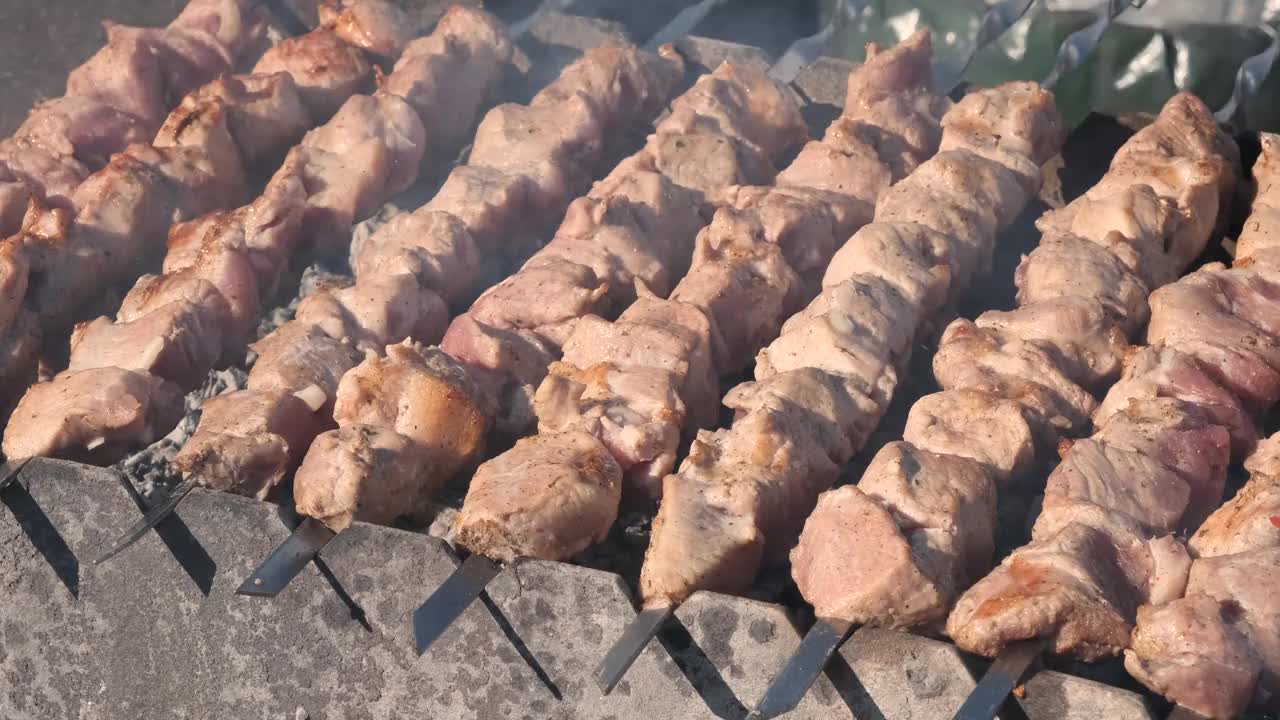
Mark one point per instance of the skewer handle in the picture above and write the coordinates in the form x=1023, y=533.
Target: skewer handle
x=789, y=686
x=1250, y=76
x=287, y=560
x=9, y=471
x=806, y=51
x=152, y=518
x=1081, y=43
x=682, y=24
x=521, y=27
x=995, y=22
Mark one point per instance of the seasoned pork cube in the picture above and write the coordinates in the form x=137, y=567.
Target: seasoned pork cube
x=973, y=424
x=423, y=394
x=549, y=497
x=249, y=440
x=95, y=415
x=326, y=69
x=366, y=473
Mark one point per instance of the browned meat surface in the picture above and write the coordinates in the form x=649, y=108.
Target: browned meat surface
x=119, y=97
x=381, y=29
x=922, y=523
x=365, y=473
x=407, y=422
x=422, y=394
x=370, y=315
x=1192, y=653
x=221, y=266
x=823, y=384
x=1161, y=371
x=94, y=415
x=550, y=497
x=973, y=357
x=1247, y=520
x=1226, y=319
x=125, y=211
x=265, y=114
x=404, y=269
x=448, y=75
x=1215, y=649
x=326, y=69
x=250, y=439
x=1259, y=239
x=977, y=425
x=1103, y=544
x=635, y=227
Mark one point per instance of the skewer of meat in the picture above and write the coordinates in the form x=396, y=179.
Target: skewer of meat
x=632, y=231
x=611, y=412
x=890, y=99
x=118, y=97
x=1215, y=649
x=174, y=326
x=1102, y=542
x=731, y=118
x=249, y=440
x=201, y=160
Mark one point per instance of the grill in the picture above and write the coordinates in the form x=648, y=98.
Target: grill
x=160, y=632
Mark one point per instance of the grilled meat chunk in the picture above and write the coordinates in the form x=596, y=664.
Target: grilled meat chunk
x=95, y=415
x=550, y=496
x=1156, y=463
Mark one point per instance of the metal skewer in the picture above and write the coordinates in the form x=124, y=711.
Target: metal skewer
x=1181, y=712
x=1000, y=680
x=9, y=471
x=802, y=668
x=682, y=24
x=788, y=687
x=467, y=583
x=825, y=636
x=152, y=518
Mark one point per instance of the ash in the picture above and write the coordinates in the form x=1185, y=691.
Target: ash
x=149, y=468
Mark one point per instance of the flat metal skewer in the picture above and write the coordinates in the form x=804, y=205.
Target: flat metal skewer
x=1000, y=680
x=996, y=21
x=804, y=52
x=434, y=616
x=150, y=519
x=287, y=560
x=1081, y=43
x=787, y=689
x=1181, y=712
x=682, y=24
x=1250, y=76
x=9, y=471
x=635, y=637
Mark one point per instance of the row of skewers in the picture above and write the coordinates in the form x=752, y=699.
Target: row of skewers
x=689, y=257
